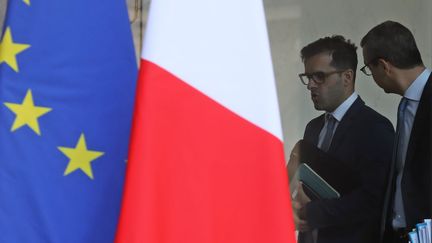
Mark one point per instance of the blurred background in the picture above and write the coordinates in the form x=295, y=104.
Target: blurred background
x=293, y=24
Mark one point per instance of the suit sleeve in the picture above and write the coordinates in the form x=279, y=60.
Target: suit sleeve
x=363, y=187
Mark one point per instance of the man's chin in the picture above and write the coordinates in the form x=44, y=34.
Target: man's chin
x=318, y=107
x=389, y=91
x=385, y=89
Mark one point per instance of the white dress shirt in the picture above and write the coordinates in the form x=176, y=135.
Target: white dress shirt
x=413, y=95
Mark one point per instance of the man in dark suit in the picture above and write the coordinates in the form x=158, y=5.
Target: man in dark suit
x=350, y=146
x=391, y=56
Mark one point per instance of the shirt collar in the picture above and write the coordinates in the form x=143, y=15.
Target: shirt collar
x=339, y=113
x=415, y=90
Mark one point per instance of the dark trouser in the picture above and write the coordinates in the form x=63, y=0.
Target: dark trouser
x=397, y=236
x=305, y=237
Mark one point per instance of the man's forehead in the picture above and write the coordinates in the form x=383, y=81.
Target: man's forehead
x=322, y=59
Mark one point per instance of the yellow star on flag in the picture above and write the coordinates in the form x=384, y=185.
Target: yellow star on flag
x=27, y=113
x=80, y=157
x=9, y=50
x=27, y=2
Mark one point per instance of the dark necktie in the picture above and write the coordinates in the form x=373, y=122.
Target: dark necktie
x=331, y=122
x=399, y=127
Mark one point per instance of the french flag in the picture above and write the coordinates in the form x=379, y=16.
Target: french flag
x=206, y=161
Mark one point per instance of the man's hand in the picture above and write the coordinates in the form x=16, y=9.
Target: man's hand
x=298, y=203
x=301, y=224
x=301, y=196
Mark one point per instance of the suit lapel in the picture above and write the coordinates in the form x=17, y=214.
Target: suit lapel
x=313, y=130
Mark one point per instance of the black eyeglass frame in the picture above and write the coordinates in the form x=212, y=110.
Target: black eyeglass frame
x=320, y=80
x=363, y=69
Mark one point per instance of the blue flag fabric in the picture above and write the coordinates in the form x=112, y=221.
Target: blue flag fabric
x=67, y=80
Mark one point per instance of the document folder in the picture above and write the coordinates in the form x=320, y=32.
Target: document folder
x=313, y=184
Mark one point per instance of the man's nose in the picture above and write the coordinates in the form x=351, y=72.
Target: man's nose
x=311, y=84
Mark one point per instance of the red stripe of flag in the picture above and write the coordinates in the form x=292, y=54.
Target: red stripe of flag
x=199, y=173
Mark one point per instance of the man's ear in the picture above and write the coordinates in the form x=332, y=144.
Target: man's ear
x=387, y=67
x=348, y=77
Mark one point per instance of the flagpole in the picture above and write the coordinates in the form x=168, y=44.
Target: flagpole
x=3, y=7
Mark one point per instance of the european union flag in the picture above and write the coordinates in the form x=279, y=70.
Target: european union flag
x=67, y=80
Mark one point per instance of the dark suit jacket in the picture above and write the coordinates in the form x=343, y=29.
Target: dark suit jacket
x=416, y=180
x=357, y=165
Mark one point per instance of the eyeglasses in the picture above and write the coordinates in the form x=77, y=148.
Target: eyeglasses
x=317, y=77
x=366, y=69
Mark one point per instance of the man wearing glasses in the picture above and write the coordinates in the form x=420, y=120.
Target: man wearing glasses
x=391, y=56
x=349, y=146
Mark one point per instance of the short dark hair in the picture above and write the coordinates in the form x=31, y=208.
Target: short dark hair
x=342, y=51
x=393, y=42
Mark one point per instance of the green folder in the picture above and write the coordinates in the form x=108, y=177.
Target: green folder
x=313, y=184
